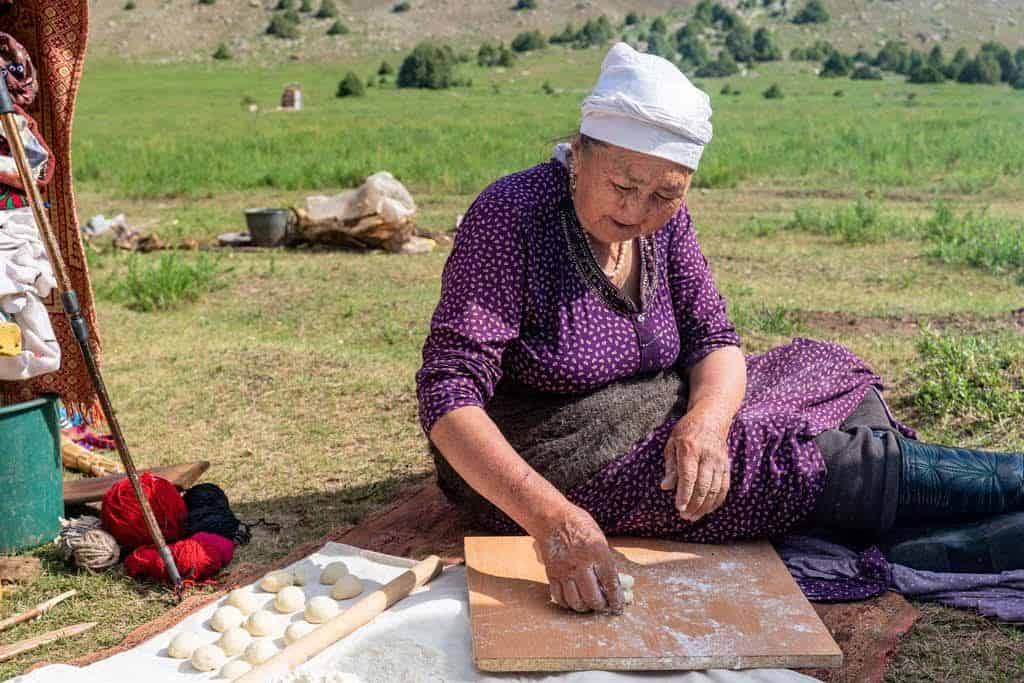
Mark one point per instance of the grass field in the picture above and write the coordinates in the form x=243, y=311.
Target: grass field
x=293, y=371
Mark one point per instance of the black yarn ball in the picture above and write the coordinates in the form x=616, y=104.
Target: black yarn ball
x=208, y=510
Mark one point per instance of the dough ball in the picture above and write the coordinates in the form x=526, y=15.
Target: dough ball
x=320, y=609
x=244, y=599
x=346, y=587
x=289, y=599
x=260, y=623
x=275, y=581
x=333, y=572
x=236, y=668
x=297, y=630
x=234, y=641
x=626, y=581
x=226, y=617
x=208, y=658
x=628, y=596
x=260, y=651
x=184, y=644
x=299, y=577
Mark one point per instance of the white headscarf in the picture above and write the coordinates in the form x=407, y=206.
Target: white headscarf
x=644, y=103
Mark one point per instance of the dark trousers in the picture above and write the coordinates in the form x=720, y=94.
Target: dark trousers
x=863, y=462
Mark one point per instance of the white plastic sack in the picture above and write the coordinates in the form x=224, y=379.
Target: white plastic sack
x=381, y=194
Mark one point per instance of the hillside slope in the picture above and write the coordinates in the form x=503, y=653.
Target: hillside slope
x=183, y=30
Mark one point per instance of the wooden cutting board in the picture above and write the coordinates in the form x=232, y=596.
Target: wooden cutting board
x=696, y=607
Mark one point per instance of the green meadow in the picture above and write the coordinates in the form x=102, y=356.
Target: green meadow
x=883, y=215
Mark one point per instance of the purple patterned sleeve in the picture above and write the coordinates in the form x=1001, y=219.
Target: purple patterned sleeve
x=478, y=313
x=700, y=310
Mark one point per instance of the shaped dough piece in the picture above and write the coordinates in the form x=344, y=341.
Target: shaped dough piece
x=320, y=609
x=208, y=658
x=275, y=581
x=244, y=599
x=236, y=668
x=234, y=641
x=296, y=630
x=184, y=644
x=260, y=623
x=226, y=617
x=260, y=651
x=299, y=577
x=346, y=587
x=290, y=599
x=332, y=572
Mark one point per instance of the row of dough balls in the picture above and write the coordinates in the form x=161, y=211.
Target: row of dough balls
x=240, y=619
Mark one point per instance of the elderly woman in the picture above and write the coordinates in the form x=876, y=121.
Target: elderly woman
x=581, y=376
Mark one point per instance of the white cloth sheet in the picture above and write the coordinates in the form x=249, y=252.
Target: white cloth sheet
x=25, y=279
x=422, y=639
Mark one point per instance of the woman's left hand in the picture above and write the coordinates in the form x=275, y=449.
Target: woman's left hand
x=697, y=466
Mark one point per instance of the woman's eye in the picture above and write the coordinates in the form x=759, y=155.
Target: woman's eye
x=622, y=188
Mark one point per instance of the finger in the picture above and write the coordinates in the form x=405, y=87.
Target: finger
x=572, y=596
x=700, y=490
x=556, y=593
x=590, y=590
x=608, y=578
x=709, y=500
x=687, y=465
x=668, y=482
x=724, y=493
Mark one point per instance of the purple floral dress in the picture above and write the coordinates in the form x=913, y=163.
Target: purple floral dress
x=522, y=297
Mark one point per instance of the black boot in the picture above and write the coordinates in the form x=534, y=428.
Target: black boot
x=985, y=547
x=940, y=483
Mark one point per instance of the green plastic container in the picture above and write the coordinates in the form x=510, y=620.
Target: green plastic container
x=31, y=478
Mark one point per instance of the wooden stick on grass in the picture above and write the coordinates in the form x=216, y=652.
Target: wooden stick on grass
x=37, y=611
x=23, y=646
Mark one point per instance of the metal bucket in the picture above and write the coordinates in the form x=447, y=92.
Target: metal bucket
x=267, y=227
x=31, y=477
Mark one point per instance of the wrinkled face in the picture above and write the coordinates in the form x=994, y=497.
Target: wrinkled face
x=622, y=194
x=16, y=67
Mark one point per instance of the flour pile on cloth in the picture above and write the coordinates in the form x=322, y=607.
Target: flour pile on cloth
x=25, y=279
x=425, y=638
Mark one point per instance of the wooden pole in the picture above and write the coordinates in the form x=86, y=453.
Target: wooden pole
x=359, y=614
x=37, y=611
x=21, y=647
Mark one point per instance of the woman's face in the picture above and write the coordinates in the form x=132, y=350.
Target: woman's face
x=622, y=194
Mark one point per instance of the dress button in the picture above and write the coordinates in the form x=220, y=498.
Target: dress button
x=640, y=318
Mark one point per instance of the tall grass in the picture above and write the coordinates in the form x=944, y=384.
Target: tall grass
x=171, y=280
x=978, y=240
x=182, y=130
x=970, y=384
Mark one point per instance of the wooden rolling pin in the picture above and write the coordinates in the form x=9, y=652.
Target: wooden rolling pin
x=359, y=614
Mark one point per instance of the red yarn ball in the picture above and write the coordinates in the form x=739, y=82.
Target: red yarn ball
x=198, y=558
x=122, y=516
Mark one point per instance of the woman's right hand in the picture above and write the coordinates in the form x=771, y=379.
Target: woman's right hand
x=581, y=569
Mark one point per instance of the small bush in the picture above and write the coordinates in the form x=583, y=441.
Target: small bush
x=527, y=41
x=1019, y=83
x=813, y=13
x=401, y=7
x=285, y=4
x=859, y=223
x=774, y=92
x=338, y=29
x=283, y=25
x=984, y=68
x=222, y=52
x=385, y=69
x=172, y=280
x=974, y=239
x=428, y=66
x=837, y=93
x=207, y=2
x=306, y=6
x=659, y=25
x=765, y=49
x=926, y=73
x=725, y=65
x=770, y=320
x=547, y=88
x=526, y=4
x=327, y=10
x=837, y=65
x=595, y=32
x=632, y=19
x=352, y=86
x=130, y=5
x=866, y=73
x=568, y=35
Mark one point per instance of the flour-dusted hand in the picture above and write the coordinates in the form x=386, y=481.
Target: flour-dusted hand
x=696, y=466
x=580, y=566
